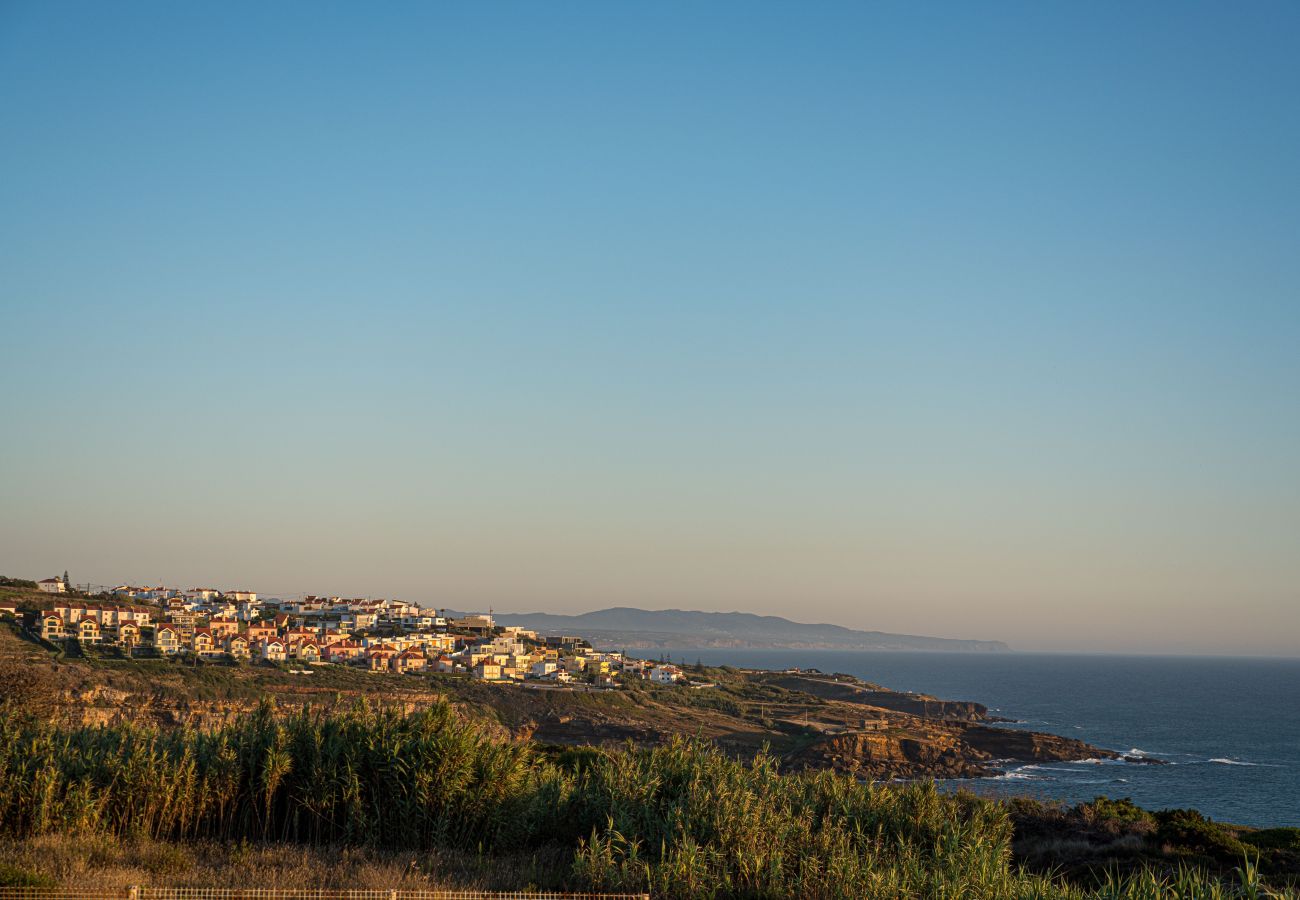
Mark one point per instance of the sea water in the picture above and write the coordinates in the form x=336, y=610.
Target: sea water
x=1229, y=728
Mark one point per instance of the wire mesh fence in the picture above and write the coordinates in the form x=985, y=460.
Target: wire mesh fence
x=148, y=893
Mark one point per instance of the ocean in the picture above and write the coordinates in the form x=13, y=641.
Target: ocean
x=1229, y=727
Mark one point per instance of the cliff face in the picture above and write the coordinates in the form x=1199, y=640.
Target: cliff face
x=925, y=707
x=886, y=756
x=1006, y=743
x=937, y=750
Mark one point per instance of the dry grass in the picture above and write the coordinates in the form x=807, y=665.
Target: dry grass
x=82, y=861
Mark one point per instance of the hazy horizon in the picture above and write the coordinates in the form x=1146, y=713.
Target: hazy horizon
x=975, y=322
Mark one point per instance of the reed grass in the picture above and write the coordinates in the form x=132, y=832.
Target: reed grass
x=682, y=820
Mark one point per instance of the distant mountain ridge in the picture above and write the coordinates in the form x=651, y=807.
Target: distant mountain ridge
x=633, y=627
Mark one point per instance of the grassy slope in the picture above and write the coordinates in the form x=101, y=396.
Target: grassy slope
x=169, y=691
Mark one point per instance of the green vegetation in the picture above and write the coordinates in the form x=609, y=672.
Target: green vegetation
x=17, y=876
x=684, y=820
x=1117, y=815
x=1286, y=840
x=1196, y=835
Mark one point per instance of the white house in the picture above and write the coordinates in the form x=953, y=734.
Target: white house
x=52, y=585
x=665, y=674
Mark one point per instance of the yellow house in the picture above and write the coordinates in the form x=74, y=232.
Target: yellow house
x=167, y=638
x=52, y=627
x=88, y=631
x=409, y=661
x=204, y=643
x=128, y=634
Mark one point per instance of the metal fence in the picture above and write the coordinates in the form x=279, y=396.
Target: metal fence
x=148, y=893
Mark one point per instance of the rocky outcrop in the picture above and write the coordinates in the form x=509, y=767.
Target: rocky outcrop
x=923, y=706
x=937, y=750
x=1030, y=746
x=846, y=691
x=880, y=756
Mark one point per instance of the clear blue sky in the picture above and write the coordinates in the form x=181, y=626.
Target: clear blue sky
x=963, y=319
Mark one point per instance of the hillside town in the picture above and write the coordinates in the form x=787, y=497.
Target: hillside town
x=208, y=624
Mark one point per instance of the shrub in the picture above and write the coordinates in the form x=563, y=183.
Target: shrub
x=1274, y=839
x=14, y=876
x=1187, y=831
x=1117, y=816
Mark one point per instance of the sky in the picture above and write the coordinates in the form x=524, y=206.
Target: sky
x=970, y=320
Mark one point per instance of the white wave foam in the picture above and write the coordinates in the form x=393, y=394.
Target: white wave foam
x=1223, y=761
x=1054, y=769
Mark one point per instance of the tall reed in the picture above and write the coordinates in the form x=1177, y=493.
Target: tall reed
x=682, y=820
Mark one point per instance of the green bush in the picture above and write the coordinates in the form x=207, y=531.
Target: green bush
x=1287, y=839
x=1117, y=816
x=14, y=876
x=1187, y=831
